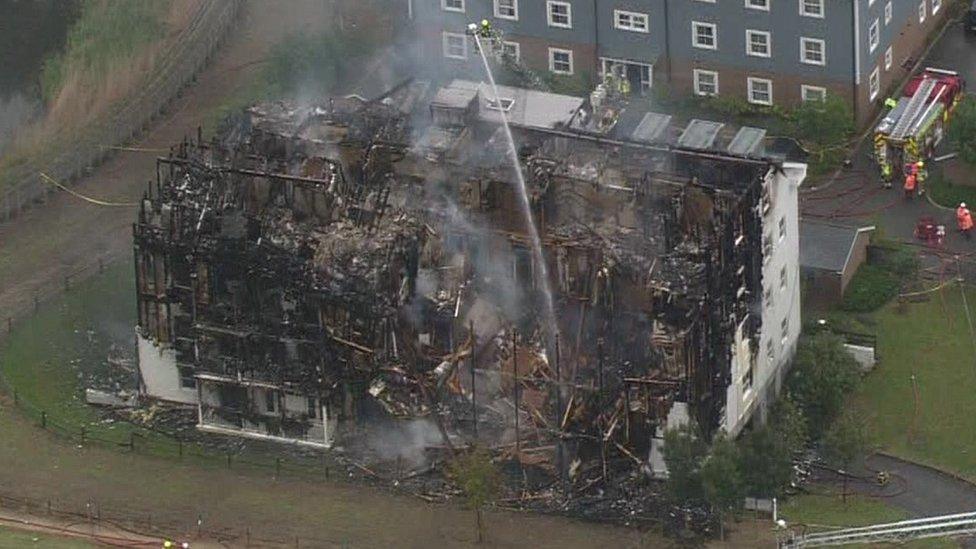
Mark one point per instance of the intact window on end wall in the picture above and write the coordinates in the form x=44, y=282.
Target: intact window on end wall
x=887, y=13
x=783, y=277
x=813, y=93
x=874, y=85
x=874, y=36
x=560, y=61
x=812, y=8
x=813, y=51
x=782, y=227
x=506, y=9
x=760, y=91
x=704, y=35
x=921, y=11
x=888, y=55
x=455, y=45
x=452, y=5
x=936, y=6
x=758, y=4
x=758, y=43
x=706, y=82
x=784, y=327
x=560, y=14
x=631, y=21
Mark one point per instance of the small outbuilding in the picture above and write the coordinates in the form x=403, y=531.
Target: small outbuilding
x=830, y=254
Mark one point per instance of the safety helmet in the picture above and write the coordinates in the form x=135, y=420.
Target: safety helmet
x=167, y=543
x=920, y=164
x=962, y=204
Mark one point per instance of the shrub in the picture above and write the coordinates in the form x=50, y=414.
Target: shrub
x=871, y=287
x=823, y=374
x=962, y=130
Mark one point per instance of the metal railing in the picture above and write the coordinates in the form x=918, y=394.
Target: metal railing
x=957, y=525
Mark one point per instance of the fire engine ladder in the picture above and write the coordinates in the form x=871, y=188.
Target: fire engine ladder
x=915, y=107
x=962, y=524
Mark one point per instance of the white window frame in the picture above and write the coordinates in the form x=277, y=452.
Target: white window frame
x=888, y=58
x=769, y=43
x=803, y=51
x=633, y=16
x=936, y=6
x=552, y=61
x=819, y=14
x=445, y=44
x=806, y=90
x=751, y=83
x=874, y=36
x=784, y=277
x=606, y=62
x=887, y=12
x=921, y=12
x=874, y=84
x=870, y=3
x=697, y=74
x=515, y=46
x=695, y=25
x=569, y=14
x=751, y=4
x=446, y=7
x=515, y=9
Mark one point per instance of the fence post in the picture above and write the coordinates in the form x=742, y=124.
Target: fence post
x=67, y=282
x=83, y=436
x=179, y=441
x=132, y=441
x=277, y=468
x=17, y=398
x=36, y=304
x=228, y=460
x=43, y=419
x=101, y=264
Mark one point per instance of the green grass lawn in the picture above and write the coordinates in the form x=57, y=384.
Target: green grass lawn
x=931, y=341
x=821, y=512
x=19, y=539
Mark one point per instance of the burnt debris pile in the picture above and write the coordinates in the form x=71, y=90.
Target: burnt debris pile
x=323, y=274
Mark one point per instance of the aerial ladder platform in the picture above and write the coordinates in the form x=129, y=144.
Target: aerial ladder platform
x=944, y=526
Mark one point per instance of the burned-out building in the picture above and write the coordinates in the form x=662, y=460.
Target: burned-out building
x=319, y=267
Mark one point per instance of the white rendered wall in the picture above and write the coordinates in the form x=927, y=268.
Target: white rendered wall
x=776, y=345
x=160, y=374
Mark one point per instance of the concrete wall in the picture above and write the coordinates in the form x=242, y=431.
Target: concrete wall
x=858, y=255
x=159, y=373
x=776, y=345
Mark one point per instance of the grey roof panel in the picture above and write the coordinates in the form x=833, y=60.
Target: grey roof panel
x=651, y=127
x=748, y=141
x=825, y=246
x=699, y=134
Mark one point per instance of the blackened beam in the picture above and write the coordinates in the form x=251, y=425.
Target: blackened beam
x=253, y=173
x=668, y=382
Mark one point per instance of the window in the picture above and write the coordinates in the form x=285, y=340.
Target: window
x=887, y=13
x=782, y=227
x=813, y=93
x=621, y=68
x=936, y=6
x=768, y=297
x=269, y=400
x=812, y=51
x=769, y=348
x=560, y=61
x=631, y=21
x=747, y=379
x=874, y=37
x=921, y=12
x=503, y=104
x=704, y=35
x=758, y=4
x=874, y=84
x=871, y=2
x=706, y=82
x=758, y=43
x=784, y=327
x=812, y=8
x=452, y=5
x=783, y=277
x=560, y=14
x=187, y=380
x=506, y=9
x=455, y=45
x=512, y=50
x=312, y=407
x=888, y=58
x=760, y=91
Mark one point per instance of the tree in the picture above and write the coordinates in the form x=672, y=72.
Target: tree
x=824, y=127
x=721, y=479
x=765, y=462
x=844, y=444
x=822, y=376
x=684, y=451
x=480, y=481
x=962, y=130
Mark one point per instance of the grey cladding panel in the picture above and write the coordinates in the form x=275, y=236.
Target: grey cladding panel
x=651, y=127
x=748, y=141
x=700, y=134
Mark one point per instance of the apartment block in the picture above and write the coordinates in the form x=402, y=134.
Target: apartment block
x=769, y=52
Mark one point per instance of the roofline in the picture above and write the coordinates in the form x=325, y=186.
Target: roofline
x=850, y=252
